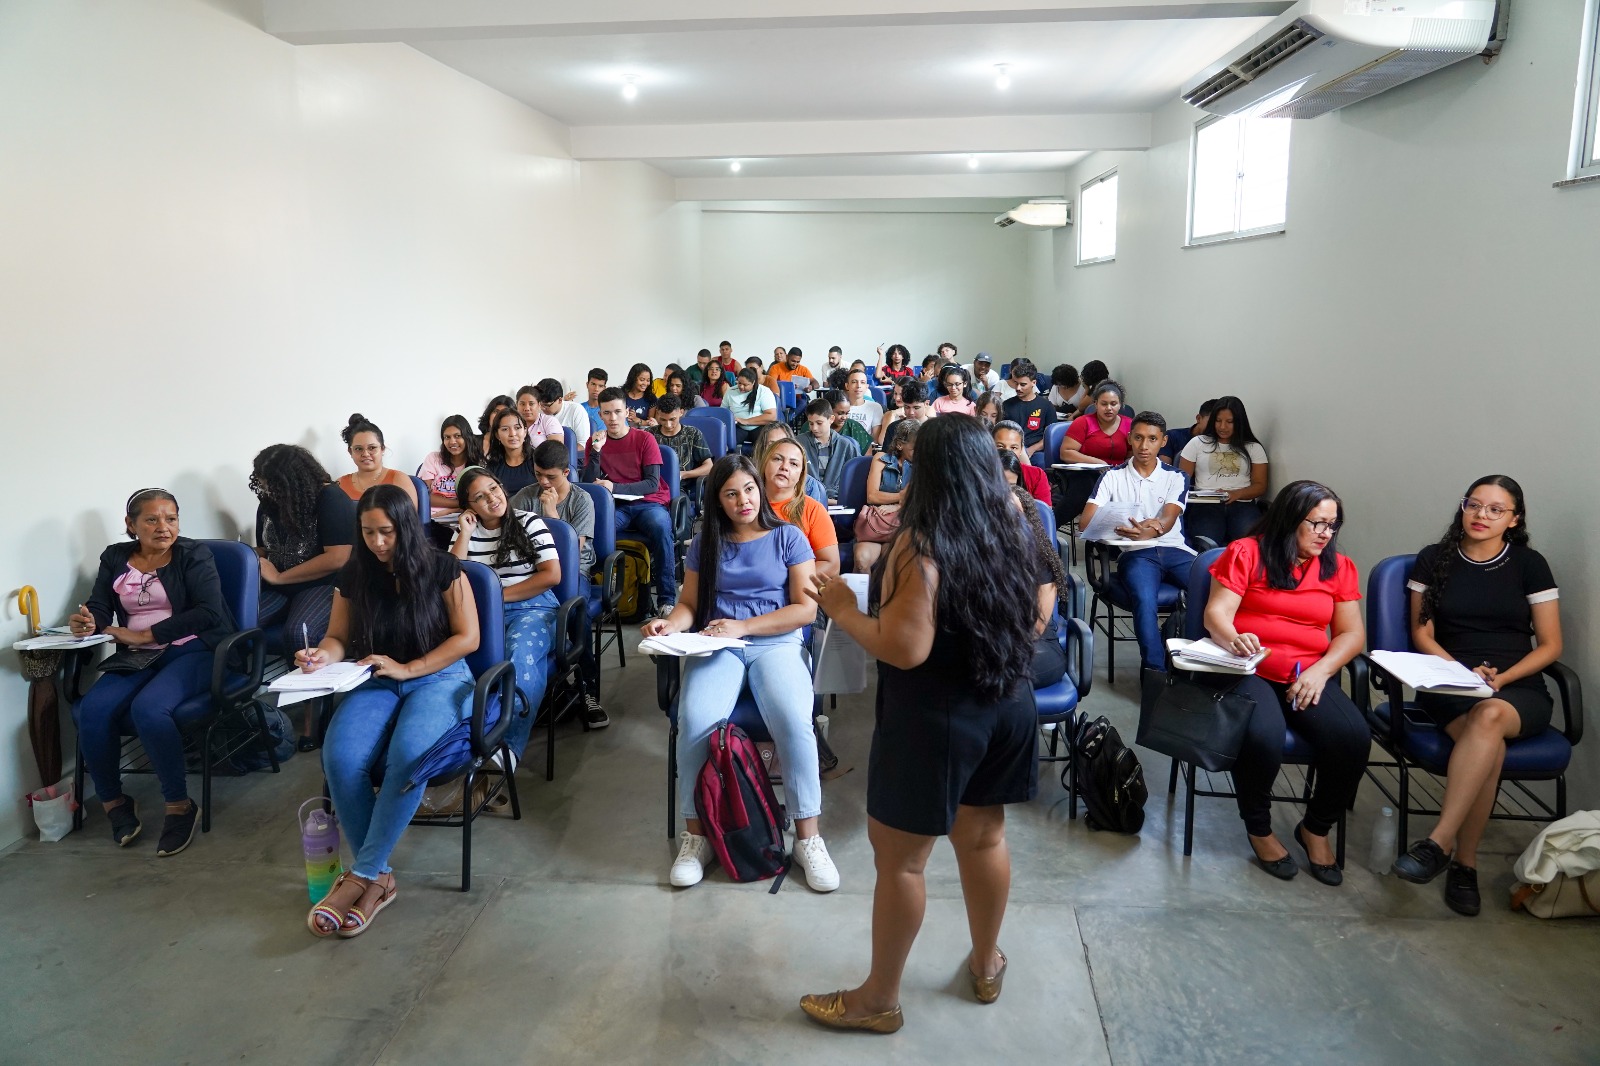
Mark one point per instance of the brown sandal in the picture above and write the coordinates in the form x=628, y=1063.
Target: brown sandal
x=322, y=910
x=361, y=919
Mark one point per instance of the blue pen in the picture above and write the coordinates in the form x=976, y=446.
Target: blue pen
x=1295, y=704
x=305, y=640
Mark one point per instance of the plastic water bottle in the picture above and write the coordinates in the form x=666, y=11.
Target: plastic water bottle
x=1385, y=838
x=319, y=840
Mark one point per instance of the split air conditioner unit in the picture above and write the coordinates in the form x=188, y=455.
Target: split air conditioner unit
x=1045, y=214
x=1323, y=54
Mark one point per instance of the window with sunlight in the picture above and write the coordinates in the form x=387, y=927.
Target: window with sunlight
x=1097, y=220
x=1240, y=184
x=1584, y=161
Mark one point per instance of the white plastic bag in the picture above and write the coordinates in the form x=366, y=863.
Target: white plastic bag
x=52, y=809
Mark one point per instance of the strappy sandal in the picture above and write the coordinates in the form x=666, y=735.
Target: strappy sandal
x=322, y=910
x=386, y=896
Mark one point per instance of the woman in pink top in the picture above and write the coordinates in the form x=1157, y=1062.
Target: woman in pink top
x=364, y=441
x=540, y=426
x=952, y=397
x=1101, y=435
x=161, y=600
x=458, y=449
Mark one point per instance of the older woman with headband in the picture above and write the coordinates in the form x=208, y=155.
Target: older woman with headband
x=1101, y=434
x=160, y=599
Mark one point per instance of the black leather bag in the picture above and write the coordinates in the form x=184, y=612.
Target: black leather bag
x=1193, y=721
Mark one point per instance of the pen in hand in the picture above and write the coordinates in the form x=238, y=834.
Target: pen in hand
x=1294, y=703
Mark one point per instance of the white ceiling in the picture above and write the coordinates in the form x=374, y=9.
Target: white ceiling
x=819, y=99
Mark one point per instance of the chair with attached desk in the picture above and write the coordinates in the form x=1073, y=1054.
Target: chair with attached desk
x=1417, y=746
x=1111, y=593
x=1296, y=750
x=605, y=620
x=221, y=722
x=1070, y=489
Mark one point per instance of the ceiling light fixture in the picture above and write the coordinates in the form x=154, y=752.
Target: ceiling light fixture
x=1002, y=79
x=735, y=166
x=972, y=162
x=630, y=87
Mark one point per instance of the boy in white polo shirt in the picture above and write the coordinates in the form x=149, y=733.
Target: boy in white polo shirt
x=1158, y=494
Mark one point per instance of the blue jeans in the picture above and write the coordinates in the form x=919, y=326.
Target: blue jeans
x=397, y=722
x=530, y=631
x=654, y=524
x=1143, y=571
x=1222, y=522
x=143, y=704
x=775, y=669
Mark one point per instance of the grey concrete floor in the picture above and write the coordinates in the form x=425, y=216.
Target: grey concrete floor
x=571, y=947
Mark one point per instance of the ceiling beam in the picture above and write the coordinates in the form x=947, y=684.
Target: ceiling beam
x=875, y=187
x=372, y=21
x=899, y=136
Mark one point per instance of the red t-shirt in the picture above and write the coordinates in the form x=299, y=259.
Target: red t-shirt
x=1037, y=481
x=623, y=461
x=1293, y=623
x=1098, y=444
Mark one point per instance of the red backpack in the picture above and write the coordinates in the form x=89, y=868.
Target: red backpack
x=738, y=808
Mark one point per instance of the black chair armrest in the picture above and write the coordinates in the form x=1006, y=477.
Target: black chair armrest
x=255, y=643
x=503, y=677
x=1571, y=692
x=1379, y=679
x=1203, y=544
x=1080, y=655
x=682, y=512
x=667, y=681
x=610, y=582
x=572, y=632
x=69, y=676
x=1360, y=686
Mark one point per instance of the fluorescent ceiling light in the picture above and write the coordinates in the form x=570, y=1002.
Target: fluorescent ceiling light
x=972, y=162
x=1050, y=214
x=630, y=87
x=735, y=166
x=1002, y=77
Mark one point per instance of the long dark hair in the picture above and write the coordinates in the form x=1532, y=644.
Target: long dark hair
x=717, y=527
x=716, y=386
x=750, y=375
x=497, y=451
x=1043, y=539
x=398, y=606
x=1279, y=527
x=633, y=376
x=952, y=369
x=948, y=518
x=471, y=454
x=1449, y=546
x=1242, y=434
x=514, y=540
x=287, y=478
x=484, y=419
x=1092, y=374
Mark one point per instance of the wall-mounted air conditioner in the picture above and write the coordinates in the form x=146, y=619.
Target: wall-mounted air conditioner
x=1044, y=214
x=1323, y=54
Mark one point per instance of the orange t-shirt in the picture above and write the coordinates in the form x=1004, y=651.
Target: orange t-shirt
x=390, y=477
x=781, y=372
x=815, y=523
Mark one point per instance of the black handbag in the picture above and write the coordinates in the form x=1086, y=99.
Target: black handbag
x=129, y=660
x=1191, y=721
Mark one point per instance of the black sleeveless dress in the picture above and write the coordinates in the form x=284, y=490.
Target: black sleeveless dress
x=937, y=746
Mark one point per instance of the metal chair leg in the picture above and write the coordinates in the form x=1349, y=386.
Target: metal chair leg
x=511, y=782
x=1188, y=813
x=672, y=782
x=467, y=808
x=205, y=778
x=549, y=744
x=1172, y=779
x=77, y=788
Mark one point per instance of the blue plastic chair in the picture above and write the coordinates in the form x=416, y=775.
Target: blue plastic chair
x=237, y=665
x=715, y=414
x=879, y=395
x=786, y=399
x=424, y=507
x=1111, y=593
x=574, y=455
x=1058, y=703
x=602, y=596
x=1054, y=434
x=712, y=428
x=1415, y=743
x=1297, y=751
x=852, y=494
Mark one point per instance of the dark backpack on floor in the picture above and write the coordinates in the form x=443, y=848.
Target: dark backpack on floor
x=633, y=598
x=1110, y=779
x=738, y=809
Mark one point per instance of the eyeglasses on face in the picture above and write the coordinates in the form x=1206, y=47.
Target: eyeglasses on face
x=492, y=493
x=1492, y=511
x=1319, y=528
x=366, y=449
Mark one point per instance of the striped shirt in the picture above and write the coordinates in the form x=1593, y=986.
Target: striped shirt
x=485, y=542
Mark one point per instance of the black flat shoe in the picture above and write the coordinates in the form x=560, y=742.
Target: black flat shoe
x=1328, y=875
x=1461, y=890
x=177, y=830
x=307, y=744
x=1422, y=862
x=124, y=823
x=1283, y=869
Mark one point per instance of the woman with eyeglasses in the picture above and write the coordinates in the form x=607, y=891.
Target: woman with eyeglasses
x=518, y=547
x=160, y=599
x=364, y=441
x=953, y=389
x=1482, y=597
x=1287, y=591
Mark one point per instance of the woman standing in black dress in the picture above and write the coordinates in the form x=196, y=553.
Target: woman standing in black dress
x=956, y=720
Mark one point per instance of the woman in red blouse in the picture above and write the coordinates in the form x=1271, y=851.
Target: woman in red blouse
x=1100, y=434
x=1289, y=592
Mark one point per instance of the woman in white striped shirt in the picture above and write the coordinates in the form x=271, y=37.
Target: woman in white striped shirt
x=518, y=547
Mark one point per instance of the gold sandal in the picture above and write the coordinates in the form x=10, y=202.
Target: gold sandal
x=829, y=1010
x=987, y=989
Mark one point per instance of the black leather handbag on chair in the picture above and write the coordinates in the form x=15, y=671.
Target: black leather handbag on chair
x=1193, y=721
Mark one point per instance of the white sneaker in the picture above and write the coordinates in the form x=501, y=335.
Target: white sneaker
x=812, y=855
x=690, y=865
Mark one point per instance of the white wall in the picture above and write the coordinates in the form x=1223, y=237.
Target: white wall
x=213, y=241
x=862, y=279
x=1427, y=318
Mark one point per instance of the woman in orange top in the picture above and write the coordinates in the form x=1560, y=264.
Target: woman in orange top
x=364, y=441
x=1287, y=591
x=783, y=467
